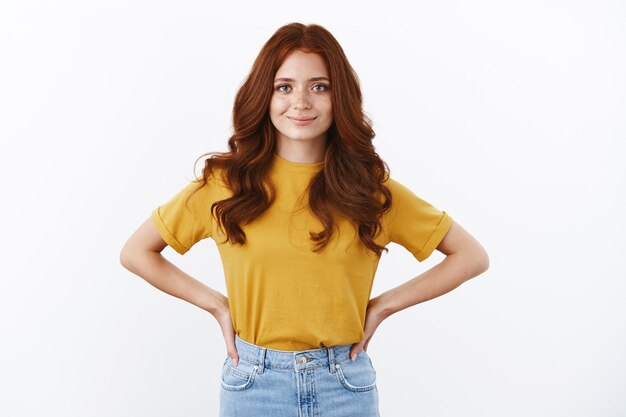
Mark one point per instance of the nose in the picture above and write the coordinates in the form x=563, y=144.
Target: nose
x=301, y=101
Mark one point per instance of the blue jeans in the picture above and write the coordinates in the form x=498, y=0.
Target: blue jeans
x=308, y=383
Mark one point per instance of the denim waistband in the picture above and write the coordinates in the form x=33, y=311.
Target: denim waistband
x=292, y=360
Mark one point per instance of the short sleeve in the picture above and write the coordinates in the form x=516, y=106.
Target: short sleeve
x=414, y=223
x=181, y=222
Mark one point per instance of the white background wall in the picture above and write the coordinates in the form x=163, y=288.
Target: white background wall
x=508, y=115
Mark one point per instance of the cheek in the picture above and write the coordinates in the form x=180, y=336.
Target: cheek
x=326, y=104
x=275, y=106
x=272, y=106
x=328, y=109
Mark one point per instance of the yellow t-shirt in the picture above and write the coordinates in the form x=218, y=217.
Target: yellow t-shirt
x=281, y=294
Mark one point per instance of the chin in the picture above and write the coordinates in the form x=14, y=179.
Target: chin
x=303, y=137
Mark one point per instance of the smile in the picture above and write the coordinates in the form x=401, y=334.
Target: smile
x=301, y=121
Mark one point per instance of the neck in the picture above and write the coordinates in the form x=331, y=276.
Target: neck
x=302, y=151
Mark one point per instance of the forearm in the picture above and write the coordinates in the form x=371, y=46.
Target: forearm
x=442, y=278
x=165, y=276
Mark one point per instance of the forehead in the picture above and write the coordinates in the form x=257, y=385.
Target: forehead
x=300, y=64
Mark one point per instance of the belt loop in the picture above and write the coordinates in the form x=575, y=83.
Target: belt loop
x=331, y=359
x=261, y=360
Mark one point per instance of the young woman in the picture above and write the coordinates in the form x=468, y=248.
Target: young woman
x=300, y=208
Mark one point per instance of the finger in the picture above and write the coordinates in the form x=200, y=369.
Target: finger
x=235, y=358
x=355, y=349
x=231, y=350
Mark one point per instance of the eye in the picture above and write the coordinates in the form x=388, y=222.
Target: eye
x=280, y=86
x=321, y=85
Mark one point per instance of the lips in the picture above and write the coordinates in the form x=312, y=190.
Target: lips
x=302, y=121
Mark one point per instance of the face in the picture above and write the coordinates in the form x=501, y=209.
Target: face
x=301, y=108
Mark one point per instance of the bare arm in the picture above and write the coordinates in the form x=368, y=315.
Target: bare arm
x=465, y=259
x=142, y=256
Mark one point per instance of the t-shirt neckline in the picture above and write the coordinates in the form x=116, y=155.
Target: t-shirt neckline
x=304, y=167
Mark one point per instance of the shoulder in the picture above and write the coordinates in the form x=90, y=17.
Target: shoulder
x=215, y=180
x=405, y=200
x=197, y=192
x=218, y=177
x=397, y=189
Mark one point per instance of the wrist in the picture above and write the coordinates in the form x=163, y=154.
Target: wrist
x=379, y=307
x=215, y=303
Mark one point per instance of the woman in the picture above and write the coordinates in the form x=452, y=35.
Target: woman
x=300, y=208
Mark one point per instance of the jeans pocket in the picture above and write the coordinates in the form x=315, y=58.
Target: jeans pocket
x=357, y=376
x=240, y=377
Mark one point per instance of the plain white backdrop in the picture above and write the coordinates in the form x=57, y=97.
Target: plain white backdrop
x=508, y=115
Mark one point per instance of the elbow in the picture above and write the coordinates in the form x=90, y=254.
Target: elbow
x=134, y=259
x=482, y=261
x=485, y=262
x=475, y=261
x=125, y=258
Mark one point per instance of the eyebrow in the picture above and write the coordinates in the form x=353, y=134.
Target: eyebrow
x=310, y=79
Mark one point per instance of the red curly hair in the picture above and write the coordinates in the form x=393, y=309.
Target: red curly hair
x=351, y=181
